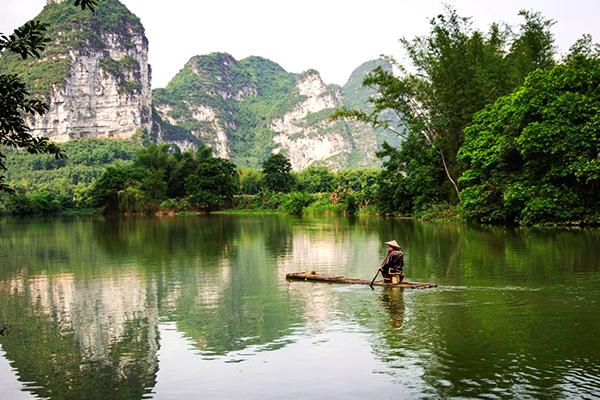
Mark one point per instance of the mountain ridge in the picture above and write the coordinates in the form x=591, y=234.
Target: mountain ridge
x=96, y=78
x=254, y=103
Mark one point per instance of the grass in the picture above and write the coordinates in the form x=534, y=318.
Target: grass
x=441, y=213
x=246, y=211
x=71, y=212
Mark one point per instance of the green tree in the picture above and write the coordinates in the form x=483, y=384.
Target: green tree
x=457, y=71
x=250, y=180
x=533, y=155
x=183, y=165
x=316, y=180
x=277, y=173
x=295, y=202
x=16, y=105
x=105, y=192
x=214, y=182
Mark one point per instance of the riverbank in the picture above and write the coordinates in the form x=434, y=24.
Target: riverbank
x=298, y=204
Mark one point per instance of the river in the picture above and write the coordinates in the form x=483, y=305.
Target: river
x=198, y=307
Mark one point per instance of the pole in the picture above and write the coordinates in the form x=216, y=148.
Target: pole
x=378, y=271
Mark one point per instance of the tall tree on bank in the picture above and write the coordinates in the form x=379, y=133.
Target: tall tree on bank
x=455, y=72
x=533, y=155
x=15, y=102
x=277, y=173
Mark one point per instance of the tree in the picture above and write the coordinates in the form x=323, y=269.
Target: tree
x=15, y=102
x=277, y=173
x=533, y=155
x=250, y=180
x=214, y=182
x=106, y=190
x=183, y=165
x=316, y=180
x=457, y=71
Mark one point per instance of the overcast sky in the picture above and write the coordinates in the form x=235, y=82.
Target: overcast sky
x=331, y=36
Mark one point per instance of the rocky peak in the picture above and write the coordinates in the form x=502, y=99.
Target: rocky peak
x=94, y=74
x=279, y=112
x=219, y=74
x=354, y=93
x=310, y=84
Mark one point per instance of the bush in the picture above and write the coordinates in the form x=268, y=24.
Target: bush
x=295, y=202
x=250, y=181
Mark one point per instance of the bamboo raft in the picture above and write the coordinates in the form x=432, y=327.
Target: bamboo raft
x=315, y=277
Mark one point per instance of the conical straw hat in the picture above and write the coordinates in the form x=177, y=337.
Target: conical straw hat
x=393, y=243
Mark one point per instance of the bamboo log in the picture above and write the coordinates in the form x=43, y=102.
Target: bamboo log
x=315, y=277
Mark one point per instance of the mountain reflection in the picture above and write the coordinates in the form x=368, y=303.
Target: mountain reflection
x=84, y=301
x=79, y=338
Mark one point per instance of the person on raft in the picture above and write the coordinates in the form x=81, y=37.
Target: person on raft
x=393, y=263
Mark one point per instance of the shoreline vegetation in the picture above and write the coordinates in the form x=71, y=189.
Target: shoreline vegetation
x=125, y=178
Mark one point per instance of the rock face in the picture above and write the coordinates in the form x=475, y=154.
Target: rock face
x=250, y=108
x=201, y=103
x=94, y=74
x=307, y=140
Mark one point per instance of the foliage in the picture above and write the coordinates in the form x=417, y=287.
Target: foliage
x=318, y=191
x=213, y=183
x=121, y=70
x=250, y=180
x=85, y=160
x=159, y=178
x=457, y=71
x=295, y=203
x=15, y=103
x=277, y=173
x=69, y=180
x=315, y=180
x=357, y=180
x=533, y=155
x=44, y=202
x=411, y=178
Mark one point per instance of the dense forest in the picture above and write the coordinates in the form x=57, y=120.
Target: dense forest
x=125, y=177
x=497, y=129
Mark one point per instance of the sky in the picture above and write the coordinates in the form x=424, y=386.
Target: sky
x=331, y=36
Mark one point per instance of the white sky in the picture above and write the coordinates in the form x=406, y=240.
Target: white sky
x=331, y=36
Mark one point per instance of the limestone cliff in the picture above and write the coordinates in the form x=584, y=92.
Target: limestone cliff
x=203, y=99
x=95, y=76
x=304, y=132
x=94, y=73
x=247, y=109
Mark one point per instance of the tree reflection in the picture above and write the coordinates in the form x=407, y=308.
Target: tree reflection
x=60, y=359
x=514, y=314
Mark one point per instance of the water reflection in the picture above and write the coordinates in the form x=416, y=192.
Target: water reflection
x=95, y=306
x=392, y=300
x=81, y=339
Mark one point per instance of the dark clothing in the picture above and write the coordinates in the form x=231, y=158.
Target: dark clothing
x=394, y=262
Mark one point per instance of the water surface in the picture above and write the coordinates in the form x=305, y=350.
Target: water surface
x=198, y=307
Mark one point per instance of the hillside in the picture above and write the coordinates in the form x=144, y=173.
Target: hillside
x=95, y=76
x=94, y=73
x=249, y=108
